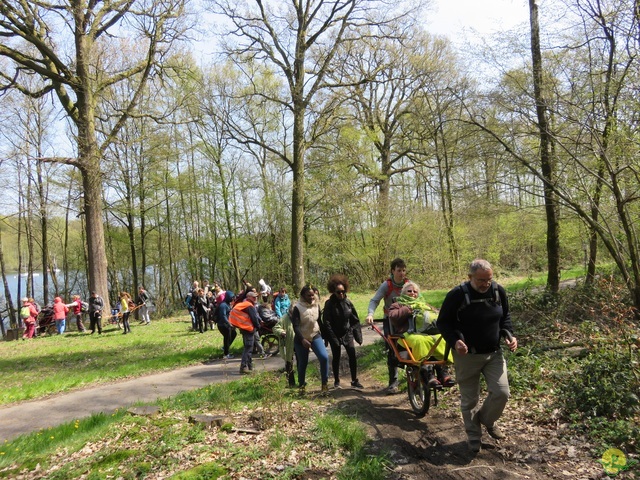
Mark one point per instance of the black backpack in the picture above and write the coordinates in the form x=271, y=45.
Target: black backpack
x=495, y=296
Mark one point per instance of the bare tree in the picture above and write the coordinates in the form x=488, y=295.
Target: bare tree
x=64, y=43
x=299, y=40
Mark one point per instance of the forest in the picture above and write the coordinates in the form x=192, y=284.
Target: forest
x=318, y=136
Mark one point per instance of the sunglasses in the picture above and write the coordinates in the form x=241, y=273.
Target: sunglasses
x=340, y=292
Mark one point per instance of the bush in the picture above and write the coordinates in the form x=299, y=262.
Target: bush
x=604, y=386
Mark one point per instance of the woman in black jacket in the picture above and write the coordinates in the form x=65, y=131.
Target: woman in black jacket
x=341, y=322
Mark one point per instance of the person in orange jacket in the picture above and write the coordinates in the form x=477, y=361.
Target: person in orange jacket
x=245, y=317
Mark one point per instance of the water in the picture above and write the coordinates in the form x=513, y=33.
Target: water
x=14, y=279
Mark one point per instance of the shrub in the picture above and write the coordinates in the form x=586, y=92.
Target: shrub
x=604, y=386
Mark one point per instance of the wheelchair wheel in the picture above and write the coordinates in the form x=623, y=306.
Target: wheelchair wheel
x=419, y=394
x=271, y=344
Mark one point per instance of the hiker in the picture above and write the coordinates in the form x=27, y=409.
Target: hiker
x=265, y=290
x=60, y=311
x=210, y=320
x=388, y=291
x=305, y=319
x=244, y=316
x=29, y=315
x=96, y=304
x=200, y=308
x=420, y=336
x=126, y=305
x=471, y=320
x=227, y=330
x=190, y=302
x=341, y=327
x=144, y=300
x=282, y=302
x=76, y=305
x=219, y=293
x=284, y=330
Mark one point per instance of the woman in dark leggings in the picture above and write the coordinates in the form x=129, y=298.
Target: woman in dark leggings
x=227, y=330
x=125, y=302
x=339, y=316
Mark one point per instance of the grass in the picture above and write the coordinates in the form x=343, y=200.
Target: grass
x=52, y=364
x=170, y=446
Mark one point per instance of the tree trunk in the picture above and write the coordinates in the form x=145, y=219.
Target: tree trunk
x=297, y=201
x=93, y=208
x=44, y=232
x=446, y=207
x=546, y=160
x=7, y=291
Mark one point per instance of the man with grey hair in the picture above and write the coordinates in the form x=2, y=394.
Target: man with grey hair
x=473, y=318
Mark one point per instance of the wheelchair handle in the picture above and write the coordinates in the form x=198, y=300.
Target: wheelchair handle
x=506, y=334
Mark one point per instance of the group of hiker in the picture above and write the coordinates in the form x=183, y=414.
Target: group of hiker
x=56, y=313
x=473, y=320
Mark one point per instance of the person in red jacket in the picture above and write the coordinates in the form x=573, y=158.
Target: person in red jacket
x=76, y=305
x=245, y=317
x=60, y=311
x=29, y=321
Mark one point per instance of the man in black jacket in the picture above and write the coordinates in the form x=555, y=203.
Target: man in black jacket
x=96, y=304
x=472, y=320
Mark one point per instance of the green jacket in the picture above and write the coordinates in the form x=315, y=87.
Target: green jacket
x=286, y=343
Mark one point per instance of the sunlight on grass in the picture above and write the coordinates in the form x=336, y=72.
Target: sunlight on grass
x=52, y=364
x=35, y=448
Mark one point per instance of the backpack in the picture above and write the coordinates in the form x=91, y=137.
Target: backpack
x=391, y=287
x=25, y=312
x=495, y=296
x=84, y=307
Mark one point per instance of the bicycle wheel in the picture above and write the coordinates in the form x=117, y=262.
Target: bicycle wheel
x=419, y=394
x=271, y=344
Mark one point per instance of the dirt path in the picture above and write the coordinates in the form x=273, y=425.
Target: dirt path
x=434, y=447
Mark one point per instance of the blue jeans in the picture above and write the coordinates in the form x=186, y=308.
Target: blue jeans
x=302, y=354
x=194, y=322
x=247, y=338
x=61, y=325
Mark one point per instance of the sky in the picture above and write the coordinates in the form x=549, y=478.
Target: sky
x=458, y=18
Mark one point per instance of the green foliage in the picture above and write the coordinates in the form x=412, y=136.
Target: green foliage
x=208, y=471
x=610, y=433
x=527, y=372
x=605, y=385
x=595, y=383
x=339, y=431
x=365, y=467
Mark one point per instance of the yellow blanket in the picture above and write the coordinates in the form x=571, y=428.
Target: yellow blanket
x=421, y=345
